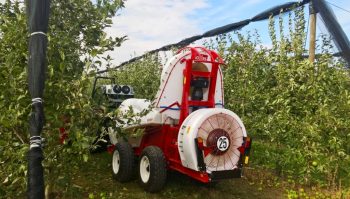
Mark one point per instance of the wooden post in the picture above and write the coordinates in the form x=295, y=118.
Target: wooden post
x=312, y=44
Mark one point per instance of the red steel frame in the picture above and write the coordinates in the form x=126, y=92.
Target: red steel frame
x=165, y=136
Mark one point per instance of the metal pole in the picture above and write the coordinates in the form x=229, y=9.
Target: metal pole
x=312, y=45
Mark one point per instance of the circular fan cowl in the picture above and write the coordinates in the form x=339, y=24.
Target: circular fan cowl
x=116, y=89
x=221, y=130
x=126, y=89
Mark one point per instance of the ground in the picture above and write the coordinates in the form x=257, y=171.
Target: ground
x=93, y=179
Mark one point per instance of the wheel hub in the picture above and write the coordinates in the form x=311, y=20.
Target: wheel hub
x=116, y=162
x=219, y=141
x=144, y=169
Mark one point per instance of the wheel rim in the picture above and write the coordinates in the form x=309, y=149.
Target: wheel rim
x=116, y=162
x=145, y=169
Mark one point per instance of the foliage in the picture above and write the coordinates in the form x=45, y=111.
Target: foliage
x=76, y=38
x=143, y=76
x=297, y=112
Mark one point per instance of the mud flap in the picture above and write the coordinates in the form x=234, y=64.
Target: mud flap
x=200, y=159
x=227, y=174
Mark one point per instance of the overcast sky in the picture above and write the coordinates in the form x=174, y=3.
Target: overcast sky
x=154, y=23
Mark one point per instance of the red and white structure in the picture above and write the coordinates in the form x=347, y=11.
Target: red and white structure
x=188, y=129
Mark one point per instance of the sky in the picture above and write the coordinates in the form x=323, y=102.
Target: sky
x=154, y=23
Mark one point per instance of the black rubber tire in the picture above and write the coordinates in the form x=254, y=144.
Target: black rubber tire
x=158, y=169
x=127, y=162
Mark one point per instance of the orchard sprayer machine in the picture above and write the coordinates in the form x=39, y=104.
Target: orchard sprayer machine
x=187, y=128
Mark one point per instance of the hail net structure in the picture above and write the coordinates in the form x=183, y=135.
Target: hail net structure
x=38, y=17
x=322, y=9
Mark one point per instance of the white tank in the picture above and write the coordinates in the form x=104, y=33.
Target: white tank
x=171, y=85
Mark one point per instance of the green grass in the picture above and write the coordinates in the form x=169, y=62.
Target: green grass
x=94, y=179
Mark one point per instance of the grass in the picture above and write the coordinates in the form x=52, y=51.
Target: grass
x=93, y=179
